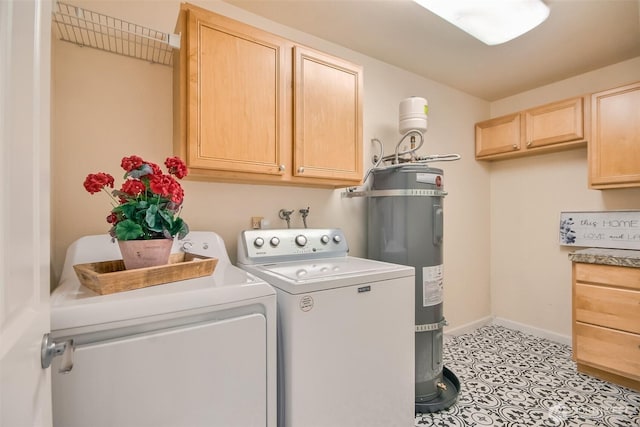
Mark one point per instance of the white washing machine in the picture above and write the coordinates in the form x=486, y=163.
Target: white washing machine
x=345, y=329
x=198, y=352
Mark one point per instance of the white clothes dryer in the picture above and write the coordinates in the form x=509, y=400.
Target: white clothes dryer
x=345, y=329
x=198, y=352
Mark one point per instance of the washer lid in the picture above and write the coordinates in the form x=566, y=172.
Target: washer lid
x=321, y=274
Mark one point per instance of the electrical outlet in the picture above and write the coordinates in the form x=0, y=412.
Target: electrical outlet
x=255, y=222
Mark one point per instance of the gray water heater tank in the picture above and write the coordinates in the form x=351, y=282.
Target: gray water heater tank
x=405, y=226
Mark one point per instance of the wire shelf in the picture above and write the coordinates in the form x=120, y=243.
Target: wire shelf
x=86, y=28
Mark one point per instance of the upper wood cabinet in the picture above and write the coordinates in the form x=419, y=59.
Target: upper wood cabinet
x=498, y=136
x=614, y=149
x=233, y=98
x=253, y=107
x=551, y=127
x=327, y=116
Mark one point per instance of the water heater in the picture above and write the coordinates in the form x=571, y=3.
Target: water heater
x=405, y=226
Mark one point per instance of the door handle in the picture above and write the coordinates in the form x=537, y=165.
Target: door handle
x=51, y=349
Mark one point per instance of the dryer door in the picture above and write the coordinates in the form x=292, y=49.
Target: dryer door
x=207, y=374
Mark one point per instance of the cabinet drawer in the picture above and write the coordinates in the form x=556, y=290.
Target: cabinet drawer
x=610, y=307
x=624, y=277
x=613, y=351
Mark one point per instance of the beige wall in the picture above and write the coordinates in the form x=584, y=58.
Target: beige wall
x=530, y=271
x=106, y=107
x=502, y=255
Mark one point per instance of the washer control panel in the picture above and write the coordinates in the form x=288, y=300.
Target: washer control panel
x=290, y=244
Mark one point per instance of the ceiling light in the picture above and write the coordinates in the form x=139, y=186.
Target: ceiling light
x=491, y=21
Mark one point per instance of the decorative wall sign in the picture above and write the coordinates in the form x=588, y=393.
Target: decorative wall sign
x=604, y=229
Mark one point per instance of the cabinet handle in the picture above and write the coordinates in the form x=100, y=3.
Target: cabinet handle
x=529, y=144
x=301, y=169
x=515, y=147
x=281, y=168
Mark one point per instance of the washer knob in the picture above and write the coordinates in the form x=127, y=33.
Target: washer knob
x=259, y=242
x=337, y=238
x=274, y=241
x=324, y=239
x=301, y=240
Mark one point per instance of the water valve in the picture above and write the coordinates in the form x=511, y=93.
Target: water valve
x=304, y=213
x=286, y=215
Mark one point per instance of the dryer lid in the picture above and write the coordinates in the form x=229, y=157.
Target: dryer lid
x=74, y=306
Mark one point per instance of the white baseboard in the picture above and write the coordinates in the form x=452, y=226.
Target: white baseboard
x=468, y=327
x=542, y=333
x=491, y=320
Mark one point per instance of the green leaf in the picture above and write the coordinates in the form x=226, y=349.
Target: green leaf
x=179, y=228
x=166, y=216
x=143, y=170
x=150, y=216
x=128, y=230
x=128, y=209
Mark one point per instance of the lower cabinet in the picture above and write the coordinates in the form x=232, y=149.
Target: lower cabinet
x=606, y=322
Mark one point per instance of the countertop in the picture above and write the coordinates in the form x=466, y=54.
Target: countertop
x=619, y=257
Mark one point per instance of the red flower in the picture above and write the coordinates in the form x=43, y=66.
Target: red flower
x=130, y=163
x=112, y=218
x=156, y=169
x=147, y=206
x=133, y=187
x=177, y=194
x=176, y=167
x=95, y=182
x=167, y=186
x=162, y=184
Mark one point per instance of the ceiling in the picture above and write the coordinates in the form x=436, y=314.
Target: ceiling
x=577, y=37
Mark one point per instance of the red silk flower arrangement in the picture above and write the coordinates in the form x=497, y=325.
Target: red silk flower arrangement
x=148, y=204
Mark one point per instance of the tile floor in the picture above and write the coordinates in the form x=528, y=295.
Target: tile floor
x=509, y=378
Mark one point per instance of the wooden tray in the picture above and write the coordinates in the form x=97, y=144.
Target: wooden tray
x=108, y=277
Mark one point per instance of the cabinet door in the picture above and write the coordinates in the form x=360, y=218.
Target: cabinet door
x=498, y=136
x=236, y=77
x=327, y=117
x=555, y=123
x=614, y=151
